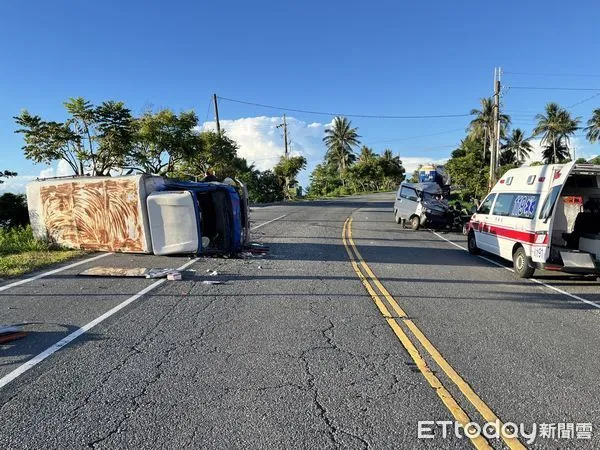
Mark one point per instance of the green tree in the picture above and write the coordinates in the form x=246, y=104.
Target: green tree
x=593, y=127
x=13, y=210
x=288, y=169
x=263, y=187
x=556, y=152
x=366, y=154
x=507, y=156
x=365, y=175
x=94, y=139
x=468, y=169
x=162, y=140
x=46, y=142
x=518, y=145
x=341, y=139
x=6, y=174
x=414, y=178
x=392, y=168
x=483, y=128
x=216, y=151
x=324, y=180
x=555, y=126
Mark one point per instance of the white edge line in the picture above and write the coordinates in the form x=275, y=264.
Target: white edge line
x=51, y=272
x=267, y=223
x=75, y=334
x=533, y=280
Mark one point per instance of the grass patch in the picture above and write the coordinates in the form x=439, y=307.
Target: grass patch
x=20, y=263
x=20, y=252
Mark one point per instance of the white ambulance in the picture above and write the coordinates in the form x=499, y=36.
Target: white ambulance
x=542, y=217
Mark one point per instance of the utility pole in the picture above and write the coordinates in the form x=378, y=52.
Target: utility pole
x=217, y=114
x=285, y=136
x=495, y=147
x=497, y=90
x=285, y=154
x=485, y=139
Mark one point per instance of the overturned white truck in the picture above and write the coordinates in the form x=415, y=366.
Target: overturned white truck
x=140, y=214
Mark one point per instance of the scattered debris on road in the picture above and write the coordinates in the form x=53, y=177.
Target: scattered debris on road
x=212, y=273
x=212, y=282
x=134, y=272
x=256, y=248
x=101, y=271
x=174, y=276
x=11, y=333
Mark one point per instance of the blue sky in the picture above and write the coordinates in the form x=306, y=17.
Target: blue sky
x=380, y=58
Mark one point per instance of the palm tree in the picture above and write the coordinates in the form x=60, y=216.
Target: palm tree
x=482, y=126
x=388, y=155
x=366, y=154
x=593, y=128
x=340, y=140
x=508, y=157
x=518, y=145
x=556, y=126
x=555, y=152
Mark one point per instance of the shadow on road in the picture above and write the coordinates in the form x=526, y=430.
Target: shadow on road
x=17, y=352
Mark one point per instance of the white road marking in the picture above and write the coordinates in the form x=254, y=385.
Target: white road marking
x=75, y=334
x=51, y=272
x=267, y=223
x=533, y=280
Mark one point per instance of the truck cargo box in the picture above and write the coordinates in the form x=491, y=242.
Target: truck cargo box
x=96, y=213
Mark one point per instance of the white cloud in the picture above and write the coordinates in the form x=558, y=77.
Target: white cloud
x=579, y=148
x=62, y=169
x=261, y=142
x=17, y=184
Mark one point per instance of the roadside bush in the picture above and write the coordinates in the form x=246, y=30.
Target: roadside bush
x=13, y=210
x=18, y=240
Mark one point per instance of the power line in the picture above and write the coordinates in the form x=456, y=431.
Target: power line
x=584, y=100
x=539, y=88
x=363, y=116
x=552, y=74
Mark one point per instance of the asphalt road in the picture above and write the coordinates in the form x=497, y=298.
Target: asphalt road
x=292, y=351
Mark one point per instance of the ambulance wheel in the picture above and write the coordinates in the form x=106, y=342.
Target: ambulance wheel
x=415, y=222
x=521, y=264
x=472, y=244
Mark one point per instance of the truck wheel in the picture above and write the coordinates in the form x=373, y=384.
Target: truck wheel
x=521, y=264
x=397, y=218
x=415, y=222
x=472, y=244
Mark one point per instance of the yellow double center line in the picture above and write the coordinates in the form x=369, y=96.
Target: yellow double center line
x=368, y=279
